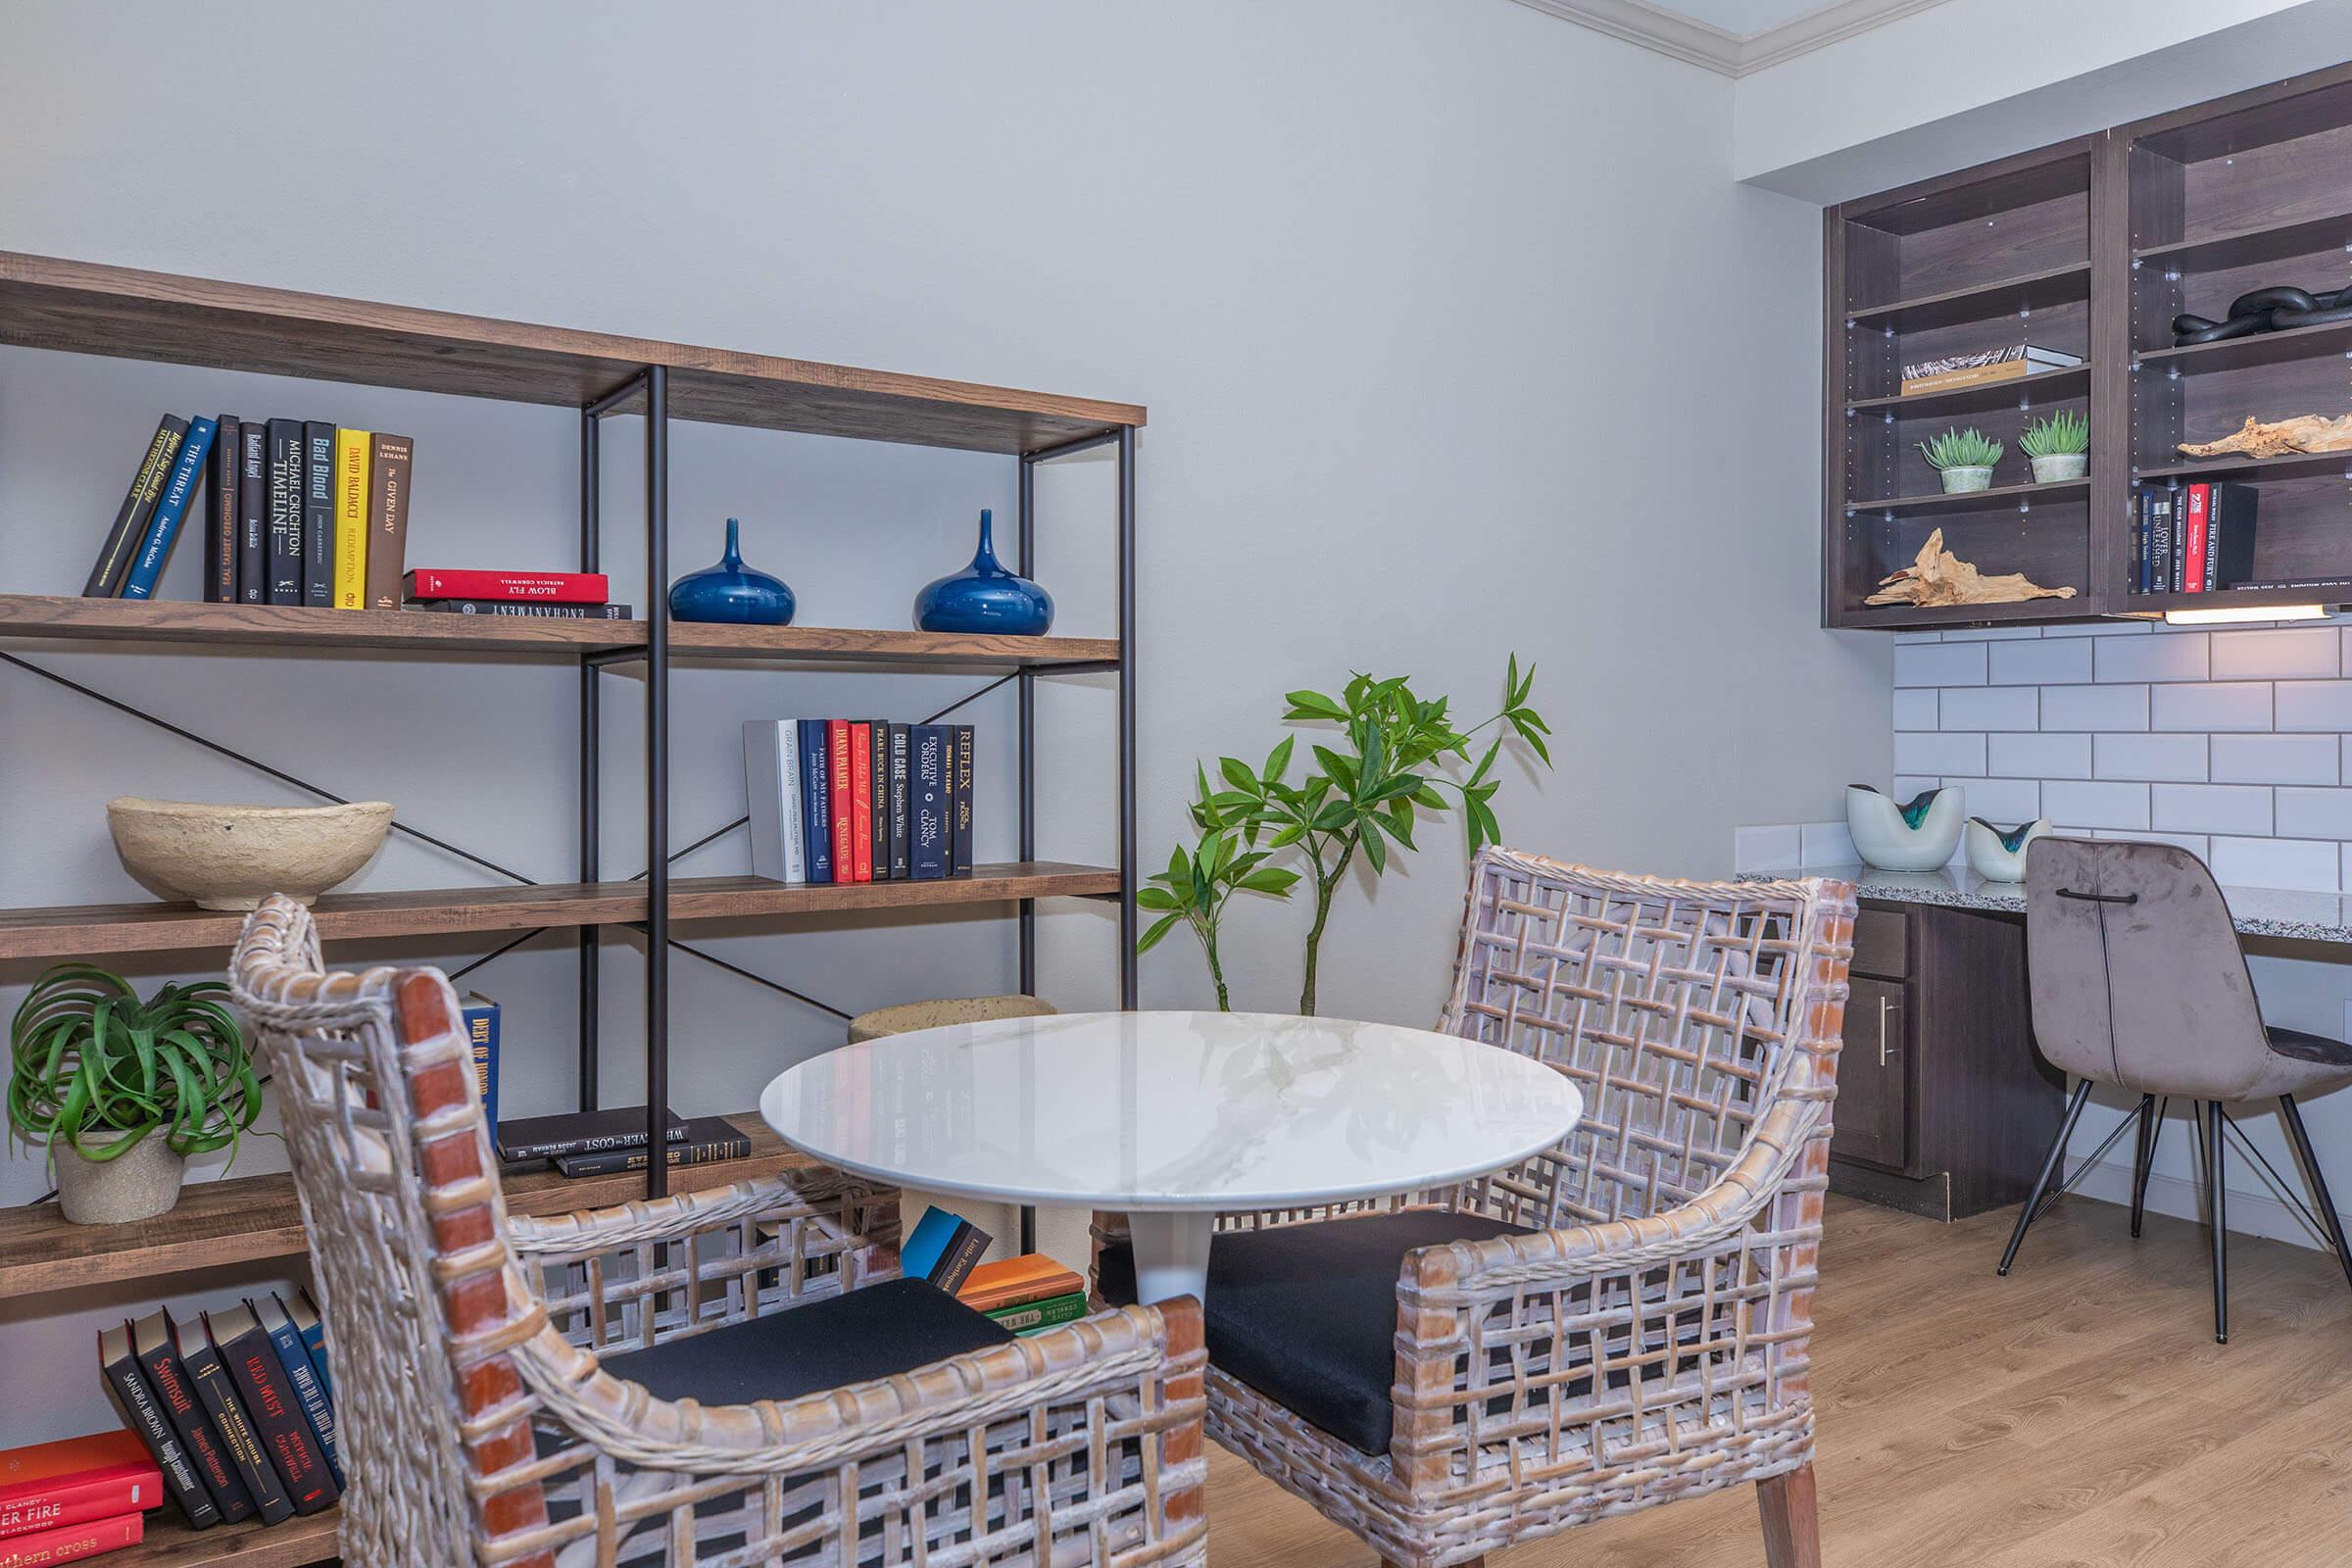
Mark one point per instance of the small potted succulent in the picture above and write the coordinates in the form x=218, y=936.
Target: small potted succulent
x=123, y=1091
x=1964, y=457
x=2059, y=446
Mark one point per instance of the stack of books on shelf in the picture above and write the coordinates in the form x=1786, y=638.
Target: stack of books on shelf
x=606, y=1143
x=232, y=1412
x=2199, y=538
x=548, y=595
x=2006, y=363
x=841, y=799
x=76, y=1497
x=294, y=512
x=1027, y=1294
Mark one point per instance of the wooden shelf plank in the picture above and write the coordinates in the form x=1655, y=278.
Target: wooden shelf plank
x=2239, y=353
x=1911, y=617
x=294, y=1543
x=82, y=307
x=2008, y=296
x=2235, y=599
x=288, y=628
x=2043, y=386
x=247, y=1219
x=2292, y=466
x=2246, y=247
x=68, y=930
x=2005, y=497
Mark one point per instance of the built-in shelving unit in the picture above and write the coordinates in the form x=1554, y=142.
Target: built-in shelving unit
x=2092, y=247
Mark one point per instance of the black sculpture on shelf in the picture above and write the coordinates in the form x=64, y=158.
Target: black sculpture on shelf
x=2266, y=310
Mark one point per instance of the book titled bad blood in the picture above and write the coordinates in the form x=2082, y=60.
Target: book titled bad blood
x=550, y=587
x=73, y=1481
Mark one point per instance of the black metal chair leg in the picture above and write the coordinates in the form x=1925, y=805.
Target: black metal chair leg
x=2217, y=1215
x=2143, y=1155
x=2050, y=1173
x=2322, y=1204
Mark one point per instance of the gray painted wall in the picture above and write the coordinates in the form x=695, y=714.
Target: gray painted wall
x=1410, y=288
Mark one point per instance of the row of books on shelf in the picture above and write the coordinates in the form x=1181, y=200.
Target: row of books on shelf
x=2193, y=538
x=607, y=1142
x=1026, y=1295
x=843, y=800
x=229, y=1415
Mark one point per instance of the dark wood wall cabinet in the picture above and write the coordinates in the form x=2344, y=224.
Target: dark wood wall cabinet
x=2092, y=247
x=1943, y=1106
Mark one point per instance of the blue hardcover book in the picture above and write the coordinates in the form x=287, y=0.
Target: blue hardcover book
x=816, y=801
x=305, y=1313
x=943, y=1248
x=927, y=801
x=295, y=1358
x=171, y=511
x=482, y=1034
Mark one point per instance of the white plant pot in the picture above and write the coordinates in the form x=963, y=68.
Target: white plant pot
x=1884, y=839
x=140, y=1183
x=1961, y=481
x=2060, y=467
x=1995, y=860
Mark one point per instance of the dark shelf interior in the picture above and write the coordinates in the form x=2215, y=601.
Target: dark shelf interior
x=2001, y=497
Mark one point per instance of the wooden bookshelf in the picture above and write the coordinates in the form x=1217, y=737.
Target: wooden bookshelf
x=1999, y=498
x=291, y=1544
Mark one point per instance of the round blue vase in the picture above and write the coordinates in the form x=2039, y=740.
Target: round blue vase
x=985, y=598
x=732, y=592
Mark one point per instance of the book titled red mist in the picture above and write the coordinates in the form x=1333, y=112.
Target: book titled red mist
x=76, y=1497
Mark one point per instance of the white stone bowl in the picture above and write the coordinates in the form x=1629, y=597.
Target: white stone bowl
x=1884, y=840
x=232, y=857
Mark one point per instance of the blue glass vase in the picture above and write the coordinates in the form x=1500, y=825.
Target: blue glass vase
x=732, y=592
x=985, y=598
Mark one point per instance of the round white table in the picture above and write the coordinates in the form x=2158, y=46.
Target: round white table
x=1173, y=1117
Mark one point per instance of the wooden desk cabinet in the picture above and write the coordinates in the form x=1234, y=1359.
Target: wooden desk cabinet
x=1943, y=1106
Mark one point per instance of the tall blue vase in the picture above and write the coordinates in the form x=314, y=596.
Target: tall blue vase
x=985, y=598
x=732, y=592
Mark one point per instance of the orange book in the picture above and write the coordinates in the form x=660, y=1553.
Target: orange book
x=1016, y=1282
x=837, y=768
x=861, y=801
x=75, y=1480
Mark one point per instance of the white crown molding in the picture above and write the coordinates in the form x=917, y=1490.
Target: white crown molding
x=1730, y=54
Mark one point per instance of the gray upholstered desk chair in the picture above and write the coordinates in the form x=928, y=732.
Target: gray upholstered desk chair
x=2137, y=980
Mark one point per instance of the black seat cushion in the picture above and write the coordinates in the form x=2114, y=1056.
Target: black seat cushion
x=894, y=1326
x=2309, y=1047
x=1306, y=1314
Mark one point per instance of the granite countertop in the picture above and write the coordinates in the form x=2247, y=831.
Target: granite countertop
x=2256, y=912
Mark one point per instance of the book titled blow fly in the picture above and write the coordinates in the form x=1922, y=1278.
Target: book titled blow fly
x=837, y=801
x=292, y=512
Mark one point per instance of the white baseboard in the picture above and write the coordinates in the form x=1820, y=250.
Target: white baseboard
x=2254, y=1214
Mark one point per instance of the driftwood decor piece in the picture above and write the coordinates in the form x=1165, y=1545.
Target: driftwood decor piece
x=2306, y=432
x=1939, y=577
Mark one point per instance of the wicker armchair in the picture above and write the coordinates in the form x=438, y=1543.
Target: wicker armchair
x=1615, y=1323
x=503, y=1380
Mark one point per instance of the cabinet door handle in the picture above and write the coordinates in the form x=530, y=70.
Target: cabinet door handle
x=1883, y=1046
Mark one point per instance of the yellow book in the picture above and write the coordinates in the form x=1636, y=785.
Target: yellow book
x=350, y=519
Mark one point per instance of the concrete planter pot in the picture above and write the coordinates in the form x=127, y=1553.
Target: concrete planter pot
x=1962, y=481
x=2060, y=467
x=140, y=1183
x=232, y=857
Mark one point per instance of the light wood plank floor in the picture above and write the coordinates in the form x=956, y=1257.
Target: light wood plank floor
x=2077, y=1413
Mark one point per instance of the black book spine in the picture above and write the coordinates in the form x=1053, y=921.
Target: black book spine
x=170, y=1382
x=877, y=733
x=564, y=1147
x=901, y=807
x=286, y=512
x=129, y=532
x=220, y=1398
x=959, y=806
x=287, y=1435
x=615, y=1161
x=145, y=1417
x=253, y=512
x=524, y=609
x=318, y=516
x=927, y=802
x=221, y=514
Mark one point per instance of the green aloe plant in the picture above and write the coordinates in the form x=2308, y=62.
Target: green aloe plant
x=2061, y=434
x=1962, y=449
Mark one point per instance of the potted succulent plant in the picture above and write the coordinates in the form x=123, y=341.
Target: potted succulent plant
x=123, y=1091
x=2059, y=446
x=1964, y=457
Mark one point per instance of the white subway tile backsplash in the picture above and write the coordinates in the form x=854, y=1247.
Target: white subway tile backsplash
x=2094, y=708
x=2149, y=756
x=2103, y=629
x=2304, y=653
x=1911, y=786
x=2210, y=807
x=2315, y=705
x=2052, y=662
x=2180, y=657
x=2096, y=805
x=1943, y=753
x=2314, y=813
x=2314, y=864
x=2196, y=844
x=1826, y=844
x=2003, y=801
x=2038, y=755
x=2276, y=759
x=1940, y=664
x=1779, y=848
x=2235, y=704
x=1990, y=708
x=1915, y=707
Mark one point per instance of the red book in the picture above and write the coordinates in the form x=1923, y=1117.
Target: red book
x=837, y=763
x=72, y=1542
x=550, y=587
x=2192, y=559
x=75, y=1480
x=861, y=801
